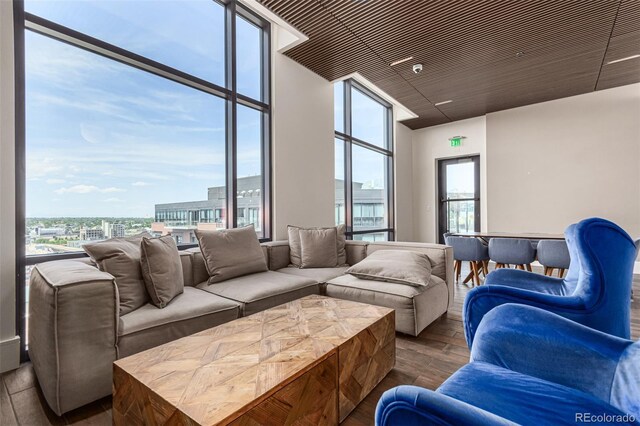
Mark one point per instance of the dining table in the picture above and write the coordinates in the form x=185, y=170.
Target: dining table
x=487, y=235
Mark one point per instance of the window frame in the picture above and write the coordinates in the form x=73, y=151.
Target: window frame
x=24, y=21
x=349, y=141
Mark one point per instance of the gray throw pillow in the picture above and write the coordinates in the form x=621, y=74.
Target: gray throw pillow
x=295, y=248
x=120, y=257
x=318, y=248
x=230, y=253
x=395, y=266
x=161, y=269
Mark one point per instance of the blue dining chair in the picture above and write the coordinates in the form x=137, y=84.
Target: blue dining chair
x=467, y=249
x=512, y=251
x=531, y=367
x=596, y=292
x=554, y=254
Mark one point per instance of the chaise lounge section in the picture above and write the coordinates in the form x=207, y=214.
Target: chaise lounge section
x=76, y=332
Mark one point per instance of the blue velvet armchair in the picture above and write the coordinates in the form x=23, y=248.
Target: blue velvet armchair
x=596, y=291
x=529, y=366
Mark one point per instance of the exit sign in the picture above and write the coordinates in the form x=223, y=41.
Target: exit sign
x=456, y=141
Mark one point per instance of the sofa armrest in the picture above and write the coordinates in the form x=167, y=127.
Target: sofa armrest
x=411, y=405
x=356, y=251
x=278, y=254
x=441, y=259
x=542, y=344
x=73, y=330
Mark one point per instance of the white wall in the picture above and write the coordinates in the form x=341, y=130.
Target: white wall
x=429, y=145
x=557, y=162
x=9, y=343
x=303, y=148
x=403, y=155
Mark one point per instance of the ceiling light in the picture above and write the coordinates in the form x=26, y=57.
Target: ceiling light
x=401, y=61
x=623, y=59
x=443, y=102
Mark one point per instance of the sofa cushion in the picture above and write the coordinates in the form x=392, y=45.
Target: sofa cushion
x=263, y=290
x=320, y=275
x=161, y=269
x=416, y=307
x=191, y=303
x=395, y=266
x=318, y=248
x=295, y=248
x=230, y=253
x=120, y=257
x=190, y=312
x=520, y=398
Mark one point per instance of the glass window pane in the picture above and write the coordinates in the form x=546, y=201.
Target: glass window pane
x=461, y=216
x=368, y=119
x=338, y=108
x=249, y=183
x=184, y=34
x=112, y=150
x=248, y=58
x=461, y=180
x=372, y=237
x=370, y=204
x=340, y=200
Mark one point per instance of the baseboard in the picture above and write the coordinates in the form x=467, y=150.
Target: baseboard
x=9, y=354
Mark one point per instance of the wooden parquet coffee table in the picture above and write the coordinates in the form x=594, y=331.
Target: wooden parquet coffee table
x=310, y=361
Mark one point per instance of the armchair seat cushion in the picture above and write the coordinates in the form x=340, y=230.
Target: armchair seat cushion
x=263, y=290
x=190, y=312
x=520, y=398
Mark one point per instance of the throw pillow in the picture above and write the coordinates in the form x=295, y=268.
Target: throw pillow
x=395, y=266
x=295, y=249
x=230, y=253
x=161, y=269
x=318, y=248
x=120, y=257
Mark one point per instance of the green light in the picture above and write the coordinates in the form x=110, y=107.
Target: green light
x=456, y=141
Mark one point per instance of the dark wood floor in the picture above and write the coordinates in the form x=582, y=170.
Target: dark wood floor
x=426, y=360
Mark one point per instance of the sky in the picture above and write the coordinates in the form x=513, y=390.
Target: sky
x=106, y=139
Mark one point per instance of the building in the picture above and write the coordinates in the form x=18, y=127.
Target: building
x=49, y=232
x=112, y=230
x=91, y=234
x=182, y=219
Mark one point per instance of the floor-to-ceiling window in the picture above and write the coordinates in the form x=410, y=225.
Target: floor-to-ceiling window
x=363, y=162
x=139, y=116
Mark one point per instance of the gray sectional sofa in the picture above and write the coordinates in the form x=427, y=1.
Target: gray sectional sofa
x=76, y=332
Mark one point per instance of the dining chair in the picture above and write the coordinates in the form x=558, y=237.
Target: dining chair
x=554, y=254
x=467, y=249
x=512, y=251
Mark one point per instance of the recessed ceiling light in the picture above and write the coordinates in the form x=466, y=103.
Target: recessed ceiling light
x=443, y=102
x=623, y=59
x=401, y=61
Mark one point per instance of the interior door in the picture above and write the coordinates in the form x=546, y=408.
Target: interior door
x=458, y=195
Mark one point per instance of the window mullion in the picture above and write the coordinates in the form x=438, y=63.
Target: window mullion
x=232, y=107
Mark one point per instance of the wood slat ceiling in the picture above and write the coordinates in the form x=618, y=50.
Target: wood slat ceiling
x=469, y=49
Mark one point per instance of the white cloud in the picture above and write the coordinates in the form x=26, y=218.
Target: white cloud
x=112, y=189
x=140, y=183
x=112, y=200
x=86, y=189
x=55, y=181
x=78, y=189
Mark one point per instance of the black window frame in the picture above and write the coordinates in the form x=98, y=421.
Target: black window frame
x=24, y=21
x=349, y=141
